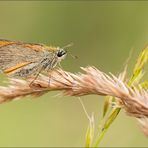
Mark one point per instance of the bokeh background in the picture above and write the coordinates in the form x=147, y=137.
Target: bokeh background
x=103, y=34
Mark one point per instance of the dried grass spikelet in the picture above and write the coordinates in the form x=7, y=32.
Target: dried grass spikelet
x=91, y=81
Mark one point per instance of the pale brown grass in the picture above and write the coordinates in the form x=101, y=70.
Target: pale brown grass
x=91, y=81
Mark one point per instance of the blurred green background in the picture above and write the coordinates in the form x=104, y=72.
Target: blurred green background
x=103, y=34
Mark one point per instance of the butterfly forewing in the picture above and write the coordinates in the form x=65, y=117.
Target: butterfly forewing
x=17, y=55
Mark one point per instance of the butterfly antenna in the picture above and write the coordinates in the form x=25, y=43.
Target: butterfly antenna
x=68, y=45
x=73, y=56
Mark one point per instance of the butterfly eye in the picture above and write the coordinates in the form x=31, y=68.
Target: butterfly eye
x=61, y=52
